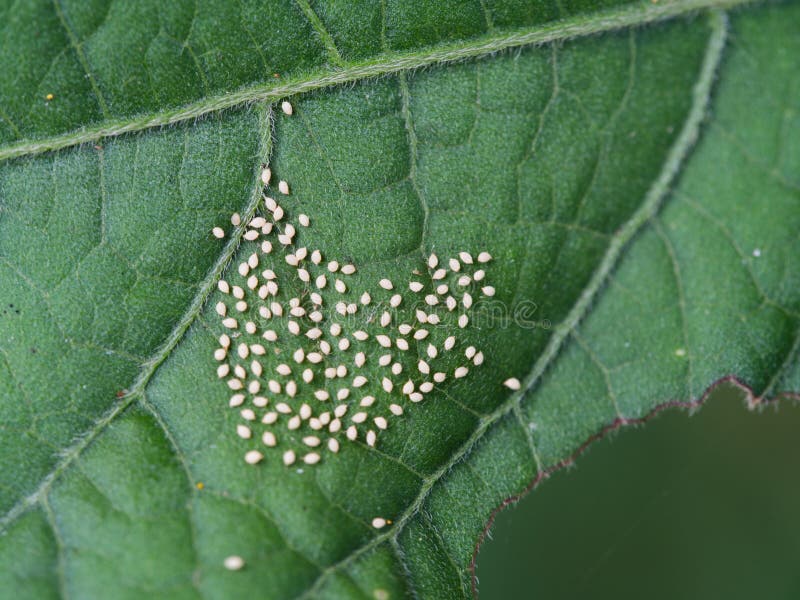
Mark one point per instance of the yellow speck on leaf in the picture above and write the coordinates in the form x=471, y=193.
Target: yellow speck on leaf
x=49, y=97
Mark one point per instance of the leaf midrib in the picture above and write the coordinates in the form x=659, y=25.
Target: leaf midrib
x=384, y=64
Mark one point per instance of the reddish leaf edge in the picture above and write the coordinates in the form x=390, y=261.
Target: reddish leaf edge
x=752, y=402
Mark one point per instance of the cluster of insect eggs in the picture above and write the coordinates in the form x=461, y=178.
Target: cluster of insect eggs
x=273, y=308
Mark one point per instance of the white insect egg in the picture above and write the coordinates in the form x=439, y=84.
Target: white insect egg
x=233, y=563
x=270, y=203
x=360, y=335
x=223, y=286
x=316, y=298
x=384, y=340
x=220, y=354
x=299, y=355
x=423, y=367
x=260, y=402
x=268, y=439
x=314, y=358
x=367, y=401
x=308, y=375
x=277, y=309
x=484, y=257
x=442, y=289
x=335, y=426
x=274, y=386
x=386, y=319
x=223, y=371
x=290, y=231
x=425, y=387
x=395, y=300
x=218, y=232
x=265, y=312
x=344, y=344
x=251, y=235
x=294, y=327
x=266, y=175
x=380, y=422
x=371, y=438
x=385, y=359
x=352, y=433
x=343, y=394
x=333, y=445
x=396, y=409
x=408, y=387
x=348, y=269
x=236, y=219
x=479, y=275
x=386, y=284
x=340, y=286
x=433, y=261
x=365, y=298
x=287, y=240
x=341, y=308
x=311, y=441
x=465, y=257
x=478, y=360
x=253, y=457
x=431, y=300
x=254, y=387
x=277, y=215
x=460, y=372
x=316, y=257
x=305, y=411
x=464, y=280
x=225, y=341
x=286, y=107
x=340, y=410
x=283, y=408
x=404, y=328
x=241, y=306
x=470, y=352
x=289, y=457
x=439, y=377
x=397, y=368
x=439, y=274
x=433, y=319
x=333, y=266
x=341, y=371
x=387, y=385
x=360, y=359
x=330, y=373
x=422, y=316
x=266, y=246
x=230, y=323
x=402, y=344
x=304, y=220
x=322, y=395
x=431, y=351
x=451, y=303
x=512, y=383
x=236, y=400
x=311, y=458
x=269, y=418
x=283, y=188
x=415, y=397
x=293, y=423
x=488, y=290
x=250, y=327
x=238, y=292
x=257, y=222
x=463, y=321
x=415, y=286
x=243, y=431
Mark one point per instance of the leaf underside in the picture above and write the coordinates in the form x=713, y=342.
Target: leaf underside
x=646, y=267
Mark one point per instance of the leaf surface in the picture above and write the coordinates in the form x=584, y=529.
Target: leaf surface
x=632, y=268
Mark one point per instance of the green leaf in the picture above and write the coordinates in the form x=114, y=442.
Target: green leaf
x=633, y=268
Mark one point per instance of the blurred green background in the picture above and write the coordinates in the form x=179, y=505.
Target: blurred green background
x=702, y=506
